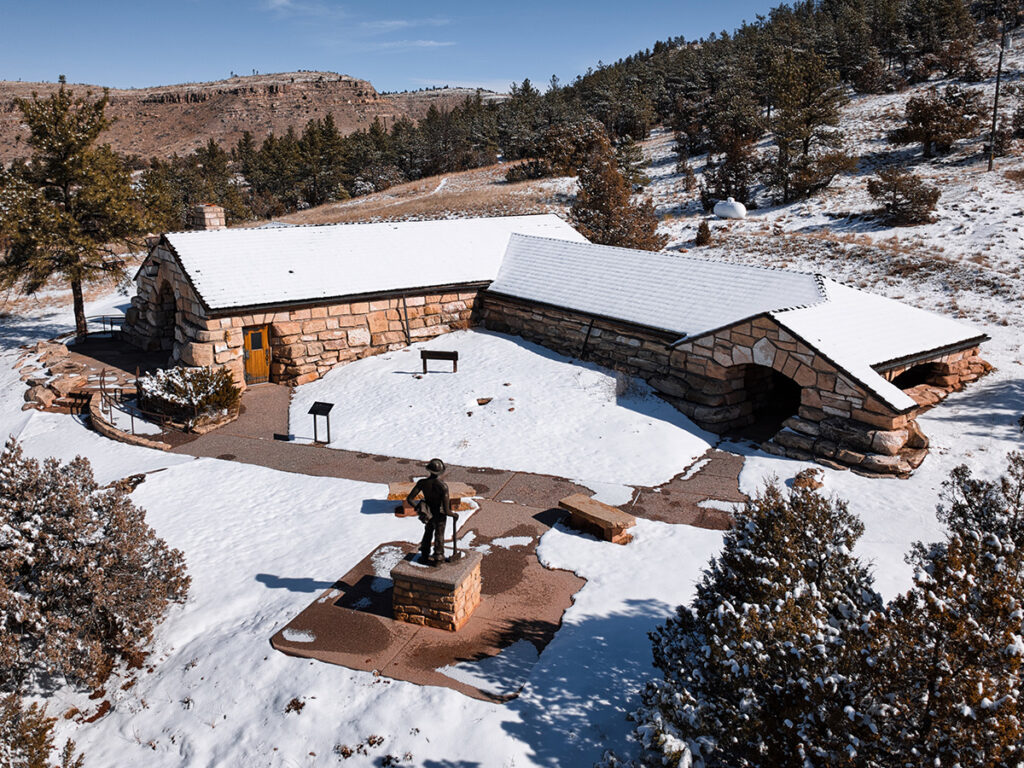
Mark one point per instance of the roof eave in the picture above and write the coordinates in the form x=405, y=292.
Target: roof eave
x=347, y=298
x=896, y=362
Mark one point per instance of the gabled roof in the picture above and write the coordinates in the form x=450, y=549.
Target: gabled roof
x=679, y=293
x=859, y=332
x=863, y=332
x=236, y=268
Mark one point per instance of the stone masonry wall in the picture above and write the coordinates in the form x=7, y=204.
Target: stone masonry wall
x=719, y=380
x=305, y=343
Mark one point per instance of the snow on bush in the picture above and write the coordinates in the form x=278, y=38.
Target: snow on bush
x=788, y=656
x=83, y=578
x=189, y=395
x=757, y=671
x=26, y=736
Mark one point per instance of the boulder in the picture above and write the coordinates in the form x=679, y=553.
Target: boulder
x=41, y=395
x=889, y=442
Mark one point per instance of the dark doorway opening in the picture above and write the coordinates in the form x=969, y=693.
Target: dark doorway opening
x=773, y=398
x=165, y=311
x=919, y=374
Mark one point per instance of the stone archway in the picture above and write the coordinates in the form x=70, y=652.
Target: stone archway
x=763, y=398
x=165, y=317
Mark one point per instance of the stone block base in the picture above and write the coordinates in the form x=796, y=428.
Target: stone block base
x=443, y=597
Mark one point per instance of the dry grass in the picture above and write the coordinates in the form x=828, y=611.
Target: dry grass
x=479, y=192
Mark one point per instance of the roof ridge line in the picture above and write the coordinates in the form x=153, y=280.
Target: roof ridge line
x=683, y=256
x=263, y=227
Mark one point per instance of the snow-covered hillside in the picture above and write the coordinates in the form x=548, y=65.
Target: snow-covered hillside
x=261, y=543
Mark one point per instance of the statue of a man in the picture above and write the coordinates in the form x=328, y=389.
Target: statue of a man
x=434, y=511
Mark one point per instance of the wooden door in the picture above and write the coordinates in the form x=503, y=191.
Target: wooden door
x=257, y=354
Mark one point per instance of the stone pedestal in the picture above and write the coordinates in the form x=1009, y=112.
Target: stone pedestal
x=444, y=596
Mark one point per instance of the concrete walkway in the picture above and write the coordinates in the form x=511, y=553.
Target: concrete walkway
x=260, y=436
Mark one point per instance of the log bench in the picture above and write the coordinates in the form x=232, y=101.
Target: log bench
x=459, y=495
x=437, y=354
x=602, y=520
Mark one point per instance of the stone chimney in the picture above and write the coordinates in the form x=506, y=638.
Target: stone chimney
x=206, y=216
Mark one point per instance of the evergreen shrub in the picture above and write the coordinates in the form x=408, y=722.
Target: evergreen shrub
x=189, y=395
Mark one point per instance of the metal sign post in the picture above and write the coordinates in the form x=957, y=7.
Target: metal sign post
x=321, y=409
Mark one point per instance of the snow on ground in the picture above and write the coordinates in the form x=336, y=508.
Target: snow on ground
x=218, y=692
x=547, y=413
x=977, y=427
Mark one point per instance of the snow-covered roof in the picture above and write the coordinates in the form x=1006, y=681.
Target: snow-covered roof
x=860, y=331
x=692, y=296
x=678, y=293
x=231, y=268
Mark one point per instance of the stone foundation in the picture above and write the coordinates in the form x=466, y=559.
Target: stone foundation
x=724, y=380
x=443, y=597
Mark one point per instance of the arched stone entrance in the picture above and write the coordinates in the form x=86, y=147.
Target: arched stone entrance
x=165, y=317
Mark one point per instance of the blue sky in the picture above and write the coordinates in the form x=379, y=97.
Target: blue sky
x=395, y=45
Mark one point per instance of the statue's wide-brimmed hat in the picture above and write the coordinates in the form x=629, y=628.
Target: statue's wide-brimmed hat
x=436, y=466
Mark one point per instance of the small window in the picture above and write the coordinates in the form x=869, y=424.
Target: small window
x=256, y=340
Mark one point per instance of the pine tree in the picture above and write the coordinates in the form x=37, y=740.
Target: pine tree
x=83, y=578
x=764, y=667
x=937, y=122
x=629, y=158
x=26, y=737
x=904, y=197
x=703, y=233
x=809, y=150
x=321, y=153
x=949, y=651
x=603, y=213
x=73, y=202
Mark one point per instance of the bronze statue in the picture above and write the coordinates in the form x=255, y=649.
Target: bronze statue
x=433, y=511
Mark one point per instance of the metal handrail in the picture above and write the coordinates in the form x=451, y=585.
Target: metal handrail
x=110, y=401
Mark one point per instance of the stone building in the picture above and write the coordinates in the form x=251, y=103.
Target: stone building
x=814, y=368
x=811, y=368
x=286, y=304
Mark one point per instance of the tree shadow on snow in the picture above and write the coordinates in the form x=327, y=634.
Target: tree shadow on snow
x=292, y=584
x=588, y=679
x=982, y=410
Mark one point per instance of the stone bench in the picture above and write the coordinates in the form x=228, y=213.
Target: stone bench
x=591, y=516
x=459, y=495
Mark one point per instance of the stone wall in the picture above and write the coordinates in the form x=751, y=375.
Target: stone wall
x=443, y=597
x=305, y=342
x=723, y=380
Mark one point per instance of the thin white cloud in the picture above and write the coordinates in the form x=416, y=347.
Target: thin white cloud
x=405, y=45
x=391, y=25
x=305, y=8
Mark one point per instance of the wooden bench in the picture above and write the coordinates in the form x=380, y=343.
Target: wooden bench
x=436, y=354
x=597, y=518
x=459, y=495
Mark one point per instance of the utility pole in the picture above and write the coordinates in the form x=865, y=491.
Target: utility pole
x=995, y=100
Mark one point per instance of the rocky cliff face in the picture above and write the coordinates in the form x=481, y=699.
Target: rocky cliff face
x=171, y=119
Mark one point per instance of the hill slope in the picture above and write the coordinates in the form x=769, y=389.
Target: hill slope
x=170, y=119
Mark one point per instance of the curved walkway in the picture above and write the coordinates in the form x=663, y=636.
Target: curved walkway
x=260, y=436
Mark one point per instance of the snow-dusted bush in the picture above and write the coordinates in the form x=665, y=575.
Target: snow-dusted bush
x=948, y=654
x=83, y=578
x=787, y=656
x=529, y=169
x=189, y=395
x=904, y=197
x=763, y=668
x=26, y=737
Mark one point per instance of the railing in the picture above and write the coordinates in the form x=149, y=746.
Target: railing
x=113, y=399
x=108, y=324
